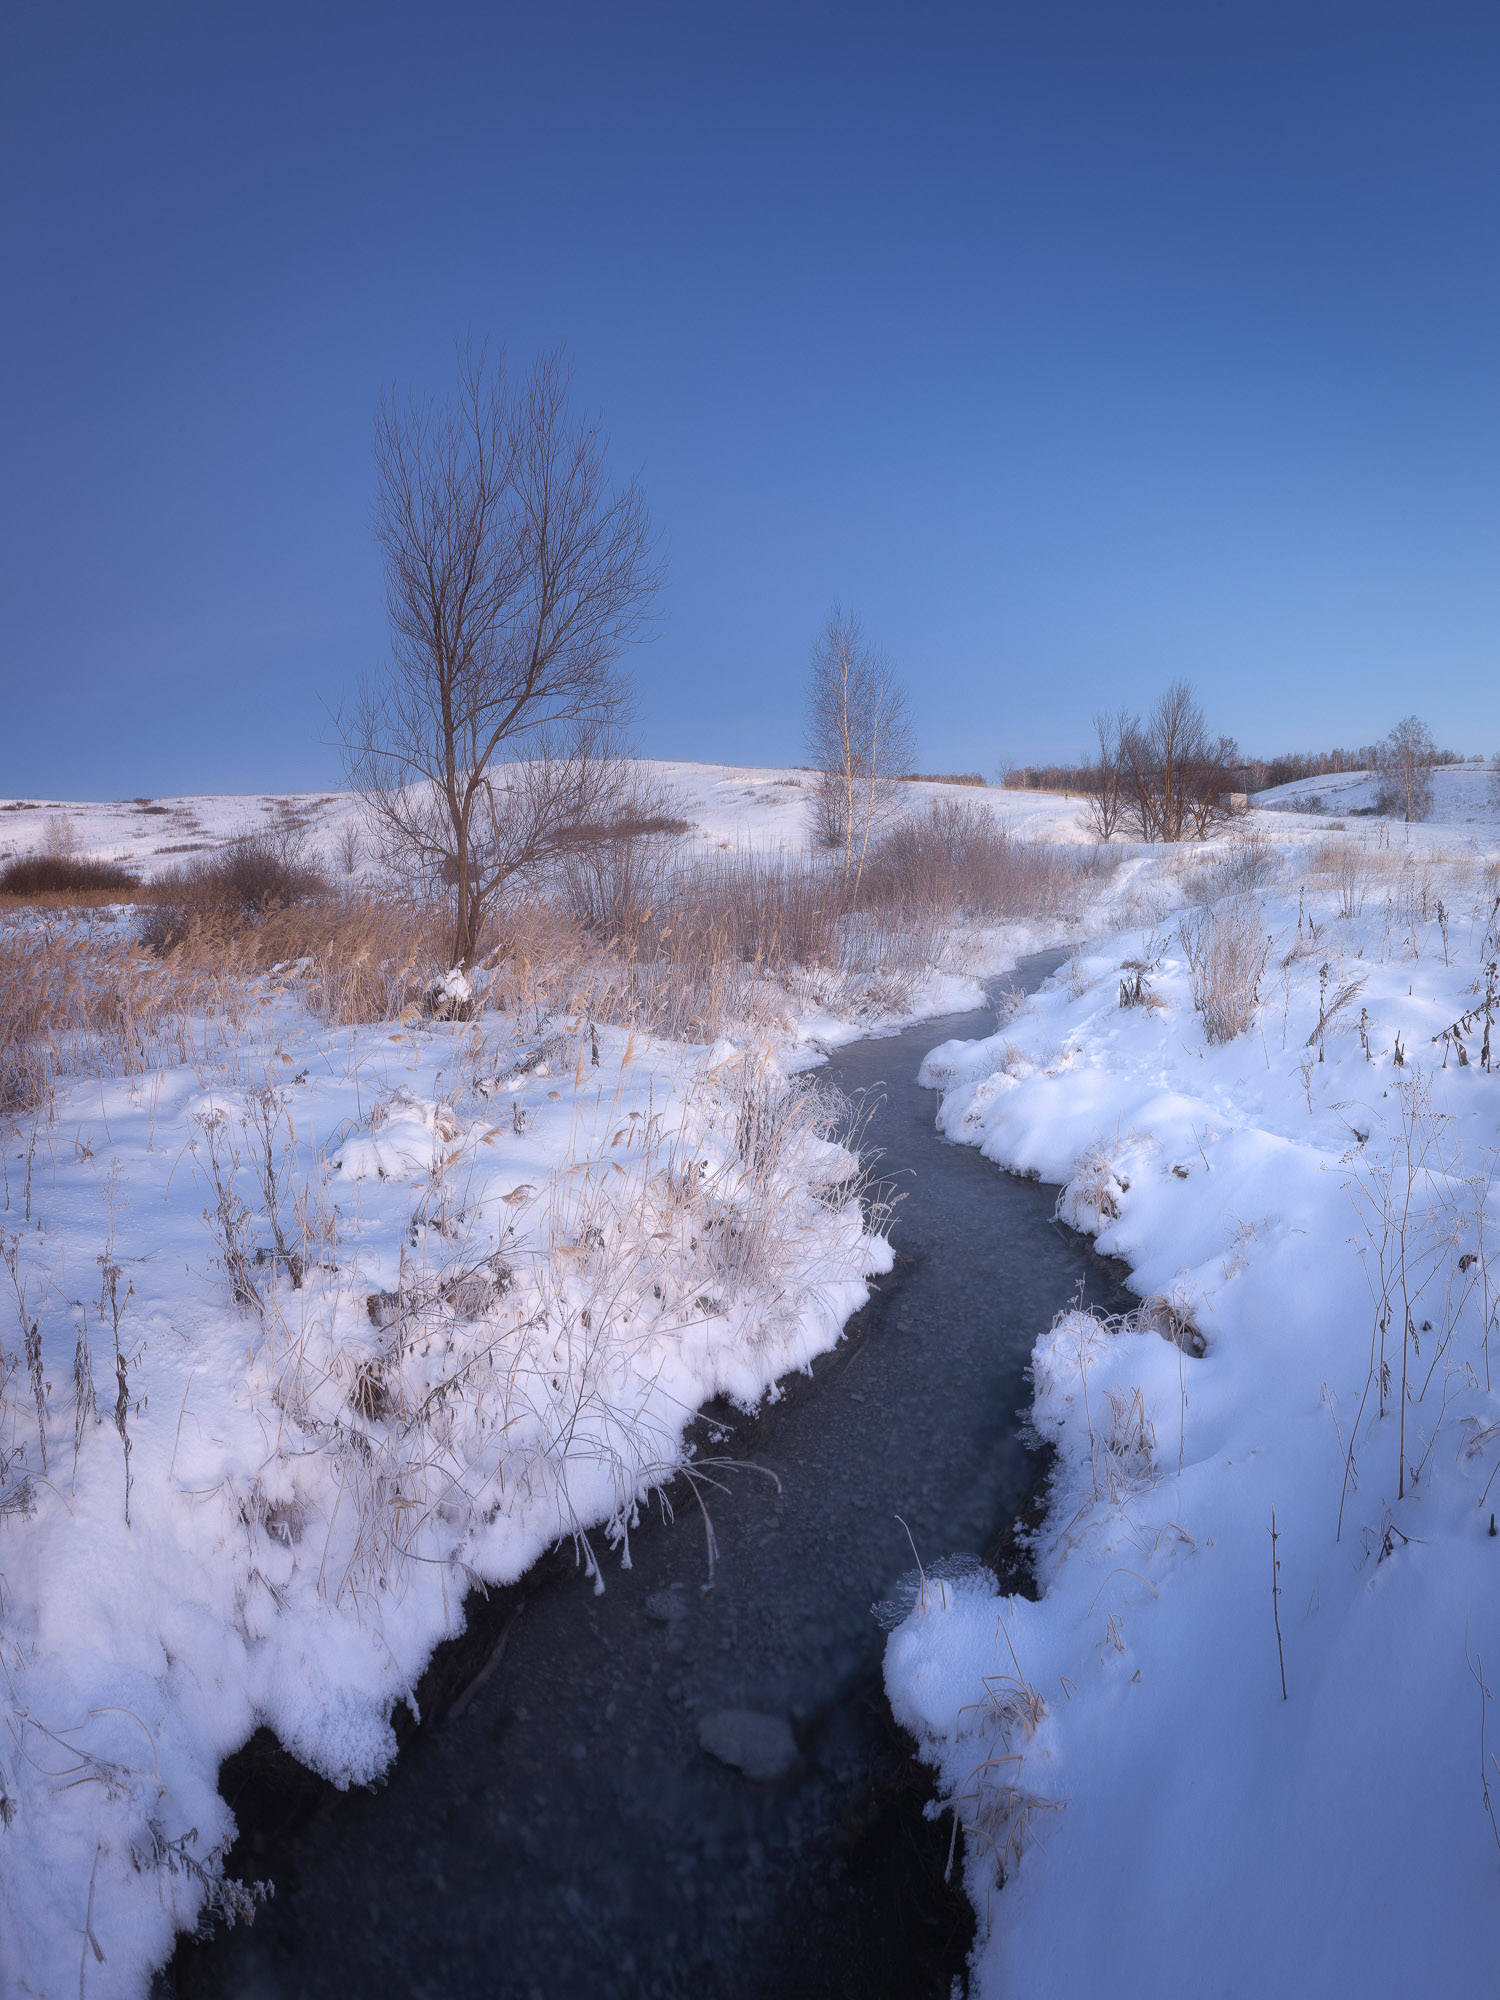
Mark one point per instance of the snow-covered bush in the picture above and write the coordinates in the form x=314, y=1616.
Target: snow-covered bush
x=1227, y=946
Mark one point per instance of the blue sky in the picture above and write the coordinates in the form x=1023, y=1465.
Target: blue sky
x=1077, y=346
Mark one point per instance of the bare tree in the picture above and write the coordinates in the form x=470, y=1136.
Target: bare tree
x=1104, y=811
x=1173, y=778
x=1406, y=760
x=515, y=575
x=858, y=739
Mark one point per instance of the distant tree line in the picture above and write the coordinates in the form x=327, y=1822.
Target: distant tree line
x=1251, y=774
x=1261, y=773
x=1166, y=778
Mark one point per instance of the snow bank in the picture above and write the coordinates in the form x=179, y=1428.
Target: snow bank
x=309, y=1333
x=1290, y=1202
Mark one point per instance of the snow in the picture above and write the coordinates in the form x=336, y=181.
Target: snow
x=518, y=1303
x=473, y=1361
x=330, y=1323
x=758, y=808
x=1163, y=1821
x=1463, y=795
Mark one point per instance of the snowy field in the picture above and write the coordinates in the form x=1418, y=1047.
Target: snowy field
x=744, y=807
x=311, y=1326
x=1269, y=1094
x=725, y=805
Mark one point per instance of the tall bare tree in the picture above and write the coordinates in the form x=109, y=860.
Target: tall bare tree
x=1406, y=760
x=515, y=574
x=858, y=740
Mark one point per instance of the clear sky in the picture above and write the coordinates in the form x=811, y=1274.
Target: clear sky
x=1077, y=345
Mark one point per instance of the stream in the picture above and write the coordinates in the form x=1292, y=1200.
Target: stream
x=555, y=1827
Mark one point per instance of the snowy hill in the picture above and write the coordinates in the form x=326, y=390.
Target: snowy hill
x=755, y=806
x=1462, y=795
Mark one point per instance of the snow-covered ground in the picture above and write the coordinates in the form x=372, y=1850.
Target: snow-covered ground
x=1310, y=1207
x=728, y=805
x=757, y=807
x=311, y=1327
x=400, y=1304
x=511, y=1276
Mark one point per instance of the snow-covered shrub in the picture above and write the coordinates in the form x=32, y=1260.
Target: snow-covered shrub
x=1094, y=1191
x=1227, y=946
x=1236, y=869
x=1345, y=867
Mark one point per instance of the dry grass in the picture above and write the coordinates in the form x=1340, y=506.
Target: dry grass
x=1238, y=868
x=726, y=923
x=630, y=934
x=489, y=1373
x=691, y=946
x=77, y=1003
x=1227, y=946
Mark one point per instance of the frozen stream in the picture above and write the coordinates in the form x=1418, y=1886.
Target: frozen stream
x=555, y=1827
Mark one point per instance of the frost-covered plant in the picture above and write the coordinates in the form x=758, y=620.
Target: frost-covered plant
x=1235, y=869
x=499, y=1372
x=1092, y=1195
x=1226, y=947
x=1415, y=1204
x=1001, y=1805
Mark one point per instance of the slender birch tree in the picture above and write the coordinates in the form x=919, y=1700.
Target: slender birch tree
x=1406, y=760
x=858, y=741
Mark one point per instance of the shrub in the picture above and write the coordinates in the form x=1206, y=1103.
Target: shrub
x=625, y=826
x=1232, y=870
x=1226, y=946
x=694, y=940
x=58, y=874
x=958, y=856
x=238, y=886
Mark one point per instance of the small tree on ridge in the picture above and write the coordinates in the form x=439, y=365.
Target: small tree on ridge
x=858, y=740
x=515, y=575
x=1406, y=760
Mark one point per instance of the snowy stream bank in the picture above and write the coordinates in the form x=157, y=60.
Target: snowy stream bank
x=557, y=1825
x=1244, y=1742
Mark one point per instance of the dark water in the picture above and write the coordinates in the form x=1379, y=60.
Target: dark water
x=554, y=1828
